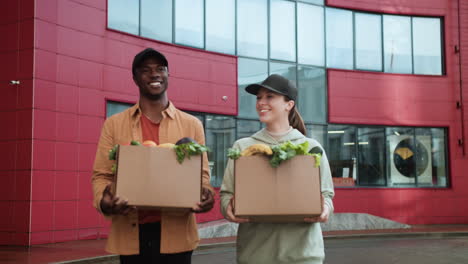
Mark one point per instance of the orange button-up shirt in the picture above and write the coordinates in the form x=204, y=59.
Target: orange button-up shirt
x=178, y=230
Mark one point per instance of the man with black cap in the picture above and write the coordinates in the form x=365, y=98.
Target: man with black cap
x=142, y=236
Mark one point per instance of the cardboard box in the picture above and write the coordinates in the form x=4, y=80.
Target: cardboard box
x=151, y=177
x=288, y=193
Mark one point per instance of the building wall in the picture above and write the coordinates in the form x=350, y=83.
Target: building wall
x=78, y=65
x=69, y=64
x=16, y=60
x=407, y=100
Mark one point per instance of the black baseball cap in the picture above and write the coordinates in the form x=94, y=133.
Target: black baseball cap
x=275, y=83
x=145, y=54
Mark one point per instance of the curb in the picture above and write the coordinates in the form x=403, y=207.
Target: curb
x=440, y=234
x=100, y=260
x=230, y=246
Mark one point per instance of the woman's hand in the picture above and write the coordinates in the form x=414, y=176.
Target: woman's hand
x=323, y=217
x=230, y=213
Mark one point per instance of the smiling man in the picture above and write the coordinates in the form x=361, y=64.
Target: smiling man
x=148, y=236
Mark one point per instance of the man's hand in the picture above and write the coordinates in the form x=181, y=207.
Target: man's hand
x=323, y=217
x=206, y=203
x=114, y=205
x=230, y=214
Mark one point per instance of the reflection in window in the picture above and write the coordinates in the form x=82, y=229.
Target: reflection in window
x=123, y=15
x=113, y=107
x=286, y=70
x=371, y=156
x=220, y=135
x=433, y=143
x=220, y=24
x=310, y=34
x=252, y=28
x=312, y=98
x=246, y=128
x=317, y=132
x=339, y=38
x=397, y=44
x=341, y=151
x=316, y=2
x=368, y=30
x=156, y=19
x=282, y=30
x=189, y=23
x=427, y=45
x=249, y=71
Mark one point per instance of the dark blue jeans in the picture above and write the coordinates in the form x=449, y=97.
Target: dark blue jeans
x=150, y=238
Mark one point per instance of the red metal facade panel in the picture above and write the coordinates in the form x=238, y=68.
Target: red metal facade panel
x=407, y=100
x=16, y=56
x=78, y=65
x=388, y=99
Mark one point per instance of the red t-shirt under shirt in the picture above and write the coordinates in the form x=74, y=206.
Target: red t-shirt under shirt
x=150, y=131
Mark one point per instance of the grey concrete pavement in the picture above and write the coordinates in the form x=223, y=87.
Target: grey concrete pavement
x=371, y=250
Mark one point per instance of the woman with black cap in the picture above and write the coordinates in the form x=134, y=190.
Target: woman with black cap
x=297, y=243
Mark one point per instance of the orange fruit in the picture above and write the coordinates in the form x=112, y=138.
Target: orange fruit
x=149, y=143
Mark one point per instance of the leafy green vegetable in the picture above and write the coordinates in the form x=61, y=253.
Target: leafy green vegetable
x=113, y=152
x=189, y=149
x=286, y=151
x=114, y=168
x=135, y=143
x=233, y=153
x=318, y=158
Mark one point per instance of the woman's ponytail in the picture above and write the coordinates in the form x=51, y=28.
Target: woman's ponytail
x=296, y=121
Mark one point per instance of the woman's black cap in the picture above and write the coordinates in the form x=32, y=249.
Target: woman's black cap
x=145, y=54
x=275, y=83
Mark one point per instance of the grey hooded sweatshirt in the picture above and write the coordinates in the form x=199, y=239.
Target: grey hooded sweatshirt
x=278, y=243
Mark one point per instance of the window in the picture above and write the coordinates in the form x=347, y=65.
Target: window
x=317, y=132
x=113, y=107
x=371, y=156
x=252, y=28
x=189, y=23
x=156, y=19
x=368, y=36
x=246, y=128
x=316, y=2
x=220, y=25
x=123, y=15
x=312, y=98
x=220, y=135
x=427, y=46
x=339, y=38
x=397, y=44
x=341, y=151
x=286, y=70
x=387, y=156
x=310, y=35
x=249, y=71
x=282, y=30
x=434, y=138
x=289, y=31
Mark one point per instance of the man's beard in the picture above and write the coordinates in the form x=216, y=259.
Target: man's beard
x=153, y=97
